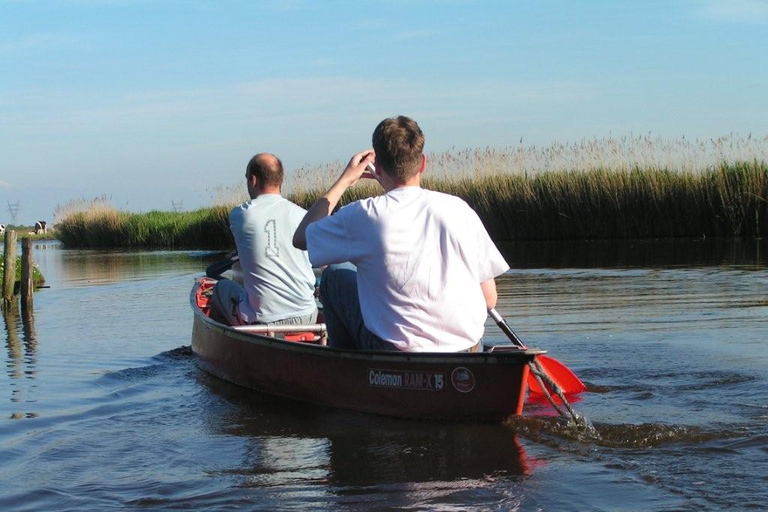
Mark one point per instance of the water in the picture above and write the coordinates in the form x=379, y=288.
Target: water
x=103, y=408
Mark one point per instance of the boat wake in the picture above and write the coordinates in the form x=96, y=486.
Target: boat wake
x=548, y=429
x=181, y=352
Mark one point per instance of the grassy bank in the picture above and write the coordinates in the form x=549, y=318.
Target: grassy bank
x=728, y=200
x=104, y=227
x=37, y=276
x=29, y=232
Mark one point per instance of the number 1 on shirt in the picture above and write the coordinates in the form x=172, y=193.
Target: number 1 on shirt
x=271, y=250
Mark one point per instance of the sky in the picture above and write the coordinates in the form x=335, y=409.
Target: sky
x=156, y=102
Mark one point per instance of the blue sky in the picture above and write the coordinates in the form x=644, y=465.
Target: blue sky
x=154, y=102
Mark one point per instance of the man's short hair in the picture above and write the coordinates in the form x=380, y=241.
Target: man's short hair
x=267, y=168
x=399, y=143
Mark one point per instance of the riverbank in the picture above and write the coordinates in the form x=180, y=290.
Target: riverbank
x=730, y=200
x=106, y=228
x=37, y=276
x=29, y=232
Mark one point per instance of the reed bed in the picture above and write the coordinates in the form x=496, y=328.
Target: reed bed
x=639, y=187
x=104, y=227
x=606, y=204
x=728, y=201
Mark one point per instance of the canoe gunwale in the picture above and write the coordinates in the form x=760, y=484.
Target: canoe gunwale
x=363, y=355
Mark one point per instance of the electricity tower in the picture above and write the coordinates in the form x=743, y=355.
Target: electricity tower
x=13, y=209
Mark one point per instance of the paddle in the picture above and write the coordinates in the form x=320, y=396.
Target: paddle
x=217, y=268
x=555, y=370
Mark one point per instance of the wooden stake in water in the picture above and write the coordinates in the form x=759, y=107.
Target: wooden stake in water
x=9, y=276
x=27, y=285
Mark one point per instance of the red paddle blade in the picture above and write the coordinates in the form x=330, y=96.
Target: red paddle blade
x=559, y=373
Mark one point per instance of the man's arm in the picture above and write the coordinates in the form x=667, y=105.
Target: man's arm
x=324, y=206
x=489, y=292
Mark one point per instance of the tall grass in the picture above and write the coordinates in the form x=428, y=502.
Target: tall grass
x=638, y=187
x=728, y=201
x=637, y=203
x=106, y=227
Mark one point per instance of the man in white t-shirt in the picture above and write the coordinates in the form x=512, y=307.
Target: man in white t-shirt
x=278, y=280
x=423, y=265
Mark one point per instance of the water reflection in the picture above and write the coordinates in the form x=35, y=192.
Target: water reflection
x=290, y=442
x=677, y=348
x=12, y=343
x=87, y=268
x=99, y=268
x=90, y=267
x=22, y=355
x=636, y=253
x=30, y=341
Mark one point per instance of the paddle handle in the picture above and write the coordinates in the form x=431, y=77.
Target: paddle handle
x=217, y=268
x=506, y=328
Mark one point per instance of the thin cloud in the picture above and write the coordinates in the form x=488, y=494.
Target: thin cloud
x=6, y=185
x=741, y=11
x=321, y=63
x=414, y=34
x=294, y=98
x=35, y=43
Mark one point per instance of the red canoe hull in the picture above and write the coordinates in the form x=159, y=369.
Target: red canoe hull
x=486, y=386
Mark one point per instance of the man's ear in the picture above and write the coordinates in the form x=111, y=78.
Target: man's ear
x=423, y=163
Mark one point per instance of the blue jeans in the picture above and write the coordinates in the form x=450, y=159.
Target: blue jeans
x=341, y=307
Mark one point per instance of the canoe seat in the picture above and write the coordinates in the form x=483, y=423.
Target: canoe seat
x=314, y=333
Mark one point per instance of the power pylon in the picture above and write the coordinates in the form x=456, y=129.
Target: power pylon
x=13, y=209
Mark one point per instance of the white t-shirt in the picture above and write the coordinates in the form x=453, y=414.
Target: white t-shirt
x=277, y=277
x=420, y=257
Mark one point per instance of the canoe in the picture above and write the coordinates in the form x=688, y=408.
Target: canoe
x=294, y=362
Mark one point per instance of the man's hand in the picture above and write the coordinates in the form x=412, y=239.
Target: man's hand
x=323, y=207
x=357, y=168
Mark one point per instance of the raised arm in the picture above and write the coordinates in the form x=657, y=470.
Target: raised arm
x=324, y=206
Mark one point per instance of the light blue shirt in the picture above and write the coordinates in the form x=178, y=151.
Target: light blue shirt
x=277, y=277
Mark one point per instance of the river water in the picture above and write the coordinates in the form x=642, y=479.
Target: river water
x=102, y=406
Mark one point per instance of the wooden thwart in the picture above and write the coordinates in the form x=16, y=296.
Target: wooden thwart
x=271, y=330
x=262, y=328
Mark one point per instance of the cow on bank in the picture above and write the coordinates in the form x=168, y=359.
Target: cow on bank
x=40, y=227
x=2, y=229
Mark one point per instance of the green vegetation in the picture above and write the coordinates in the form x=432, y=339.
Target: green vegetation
x=37, y=277
x=29, y=232
x=729, y=200
x=104, y=227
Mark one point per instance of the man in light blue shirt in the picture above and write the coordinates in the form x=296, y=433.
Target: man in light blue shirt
x=278, y=279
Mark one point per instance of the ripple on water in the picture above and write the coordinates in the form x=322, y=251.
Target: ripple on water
x=674, y=358
x=628, y=436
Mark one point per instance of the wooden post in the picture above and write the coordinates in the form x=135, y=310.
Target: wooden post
x=9, y=276
x=27, y=284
